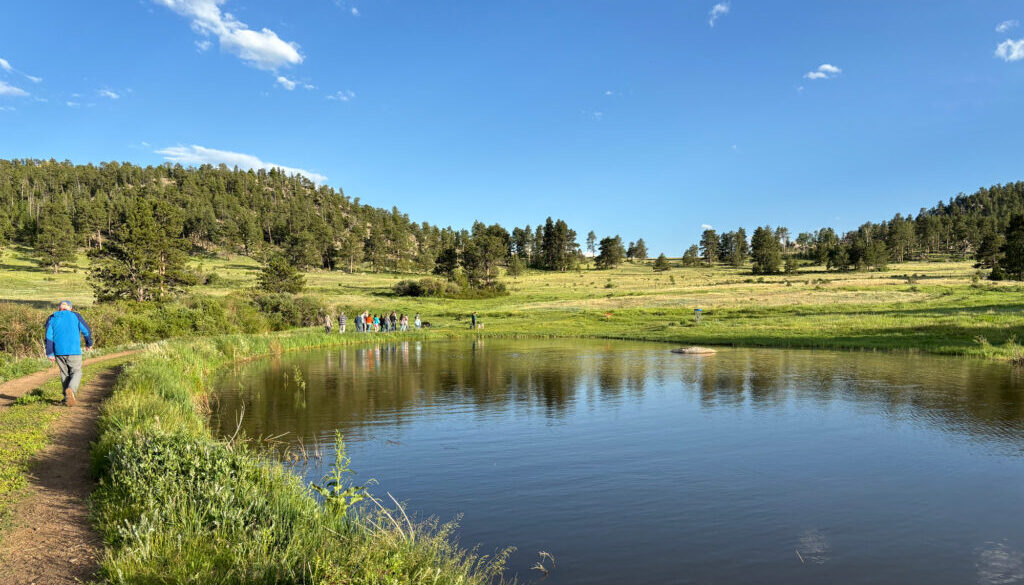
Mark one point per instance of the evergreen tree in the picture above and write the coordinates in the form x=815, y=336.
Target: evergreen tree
x=144, y=259
x=592, y=243
x=709, y=246
x=447, y=264
x=791, y=265
x=990, y=250
x=278, y=275
x=692, y=256
x=640, y=250
x=55, y=242
x=612, y=252
x=1012, y=262
x=661, y=263
x=766, y=251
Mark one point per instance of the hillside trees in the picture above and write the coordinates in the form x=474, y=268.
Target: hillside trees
x=612, y=252
x=55, y=240
x=144, y=259
x=709, y=246
x=766, y=251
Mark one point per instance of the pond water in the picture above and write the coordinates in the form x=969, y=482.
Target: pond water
x=630, y=464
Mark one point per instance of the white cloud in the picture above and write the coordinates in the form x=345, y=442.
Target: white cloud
x=717, y=11
x=6, y=89
x=308, y=86
x=598, y=116
x=73, y=104
x=355, y=11
x=285, y=82
x=824, y=71
x=1010, y=50
x=705, y=226
x=203, y=45
x=342, y=96
x=109, y=94
x=6, y=109
x=1006, y=25
x=200, y=155
x=6, y=66
x=262, y=49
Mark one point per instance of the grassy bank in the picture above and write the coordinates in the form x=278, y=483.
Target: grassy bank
x=935, y=307
x=174, y=505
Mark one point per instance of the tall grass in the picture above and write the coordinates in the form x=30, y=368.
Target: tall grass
x=174, y=505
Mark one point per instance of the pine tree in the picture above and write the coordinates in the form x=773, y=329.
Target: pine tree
x=612, y=252
x=55, y=242
x=661, y=263
x=709, y=246
x=144, y=259
x=1012, y=262
x=692, y=256
x=766, y=251
x=592, y=243
x=640, y=250
x=278, y=275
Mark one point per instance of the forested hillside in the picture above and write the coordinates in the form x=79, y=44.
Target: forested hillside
x=45, y=204
x=52, y=205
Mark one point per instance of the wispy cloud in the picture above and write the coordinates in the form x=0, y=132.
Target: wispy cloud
x=342, y=96
x=262, y=49
x=7, y=89
x=824, y=71
x=73, y=104
x=717, y=11
x=1007, y=25
x=705, y=226
x=203, y=45
x=1010, y=50
x=6, y=66
x=354, y=11
x=109, y=94
x=285, y=82
x=200, y=155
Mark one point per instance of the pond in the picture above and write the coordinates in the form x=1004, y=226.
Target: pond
x=630, y=464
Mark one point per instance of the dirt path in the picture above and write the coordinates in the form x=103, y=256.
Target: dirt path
x=50, y=540
x=11, y=390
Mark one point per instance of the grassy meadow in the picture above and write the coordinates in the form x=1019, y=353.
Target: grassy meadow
x=938, y=307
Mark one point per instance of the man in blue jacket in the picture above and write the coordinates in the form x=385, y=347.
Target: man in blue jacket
x=64, y=347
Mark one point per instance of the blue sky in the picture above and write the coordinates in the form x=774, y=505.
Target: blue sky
x=646, y=119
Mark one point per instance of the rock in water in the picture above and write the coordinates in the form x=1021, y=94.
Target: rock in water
x=694, y=350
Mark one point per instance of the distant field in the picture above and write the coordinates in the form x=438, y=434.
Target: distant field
x=923, y=306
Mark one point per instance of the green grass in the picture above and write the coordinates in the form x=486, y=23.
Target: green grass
x=174, y=505
x=932, y=307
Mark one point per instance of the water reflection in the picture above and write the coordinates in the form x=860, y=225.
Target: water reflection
x=635, y=465
x=351, y=388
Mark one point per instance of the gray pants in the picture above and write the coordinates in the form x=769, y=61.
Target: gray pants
x=70, y=367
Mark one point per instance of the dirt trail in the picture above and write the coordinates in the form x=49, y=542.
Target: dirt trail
x=11, y=390
x=50, y=540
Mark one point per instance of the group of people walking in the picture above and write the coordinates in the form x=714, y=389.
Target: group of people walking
x=367, y=323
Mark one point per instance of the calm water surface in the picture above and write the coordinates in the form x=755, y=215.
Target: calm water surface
x=634, y=465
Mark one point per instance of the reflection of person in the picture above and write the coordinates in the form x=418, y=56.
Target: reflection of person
x=64, y=347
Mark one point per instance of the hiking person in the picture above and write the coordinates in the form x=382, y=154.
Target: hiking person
x=64, y=347
x=341, y=322
x=394, y=321
x=472, y=320
x=417, y=321
x=328, y=320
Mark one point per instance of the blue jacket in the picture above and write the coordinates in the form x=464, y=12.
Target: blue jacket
x=62, y=329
